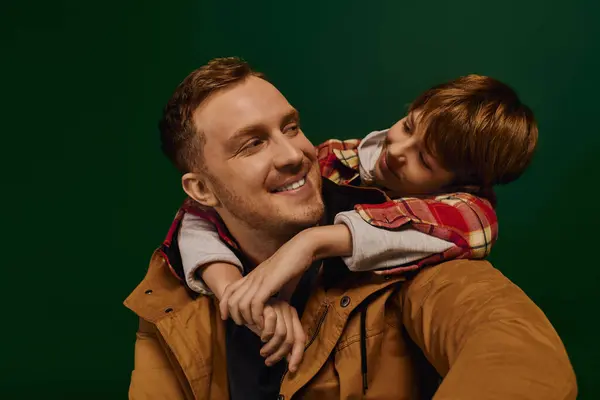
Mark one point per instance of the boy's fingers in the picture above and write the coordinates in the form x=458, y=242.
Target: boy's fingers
x=227, y=293
x=244, y=303
x=285, y=346
x=270, y=320
x=233, y=304
x=299, y=343
x=257, y=306
x=278, y=337
x=267, y=288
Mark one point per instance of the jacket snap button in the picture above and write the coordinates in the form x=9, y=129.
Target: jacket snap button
x=345, y=301
x=149, y=291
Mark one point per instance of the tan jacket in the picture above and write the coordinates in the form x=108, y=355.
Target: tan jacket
x=483, y=335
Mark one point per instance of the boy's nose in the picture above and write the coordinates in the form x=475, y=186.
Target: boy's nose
x=398, y=152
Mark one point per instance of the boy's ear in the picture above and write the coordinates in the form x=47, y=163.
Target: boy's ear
x=198, y=187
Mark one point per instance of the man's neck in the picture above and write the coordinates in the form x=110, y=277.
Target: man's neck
x=256, y=245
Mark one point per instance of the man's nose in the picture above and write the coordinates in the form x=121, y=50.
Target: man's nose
x=286, y=154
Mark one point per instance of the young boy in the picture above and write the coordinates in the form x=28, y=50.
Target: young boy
x=458, y=140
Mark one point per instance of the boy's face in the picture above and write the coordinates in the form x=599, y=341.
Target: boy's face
x=404, y=167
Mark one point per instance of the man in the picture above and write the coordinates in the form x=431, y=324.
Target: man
x=237, y=142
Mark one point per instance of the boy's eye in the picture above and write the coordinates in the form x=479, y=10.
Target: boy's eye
x=422, y=159
x=406, y=127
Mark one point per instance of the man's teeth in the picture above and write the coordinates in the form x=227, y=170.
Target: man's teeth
x=292, y=186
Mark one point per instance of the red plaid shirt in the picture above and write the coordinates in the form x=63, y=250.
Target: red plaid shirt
x=464, y=219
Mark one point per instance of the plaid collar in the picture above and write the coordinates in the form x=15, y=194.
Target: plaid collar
x=348, y=158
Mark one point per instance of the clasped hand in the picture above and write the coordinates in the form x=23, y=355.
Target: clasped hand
x=249, y=301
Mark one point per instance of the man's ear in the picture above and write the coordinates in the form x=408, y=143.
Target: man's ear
x=198, y=187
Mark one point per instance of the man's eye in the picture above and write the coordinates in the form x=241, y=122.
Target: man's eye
x=292, y=129
x=254, y=143
x=251, y=145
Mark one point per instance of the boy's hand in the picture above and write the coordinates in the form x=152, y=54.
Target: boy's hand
x=283, y=334
x=244, y=300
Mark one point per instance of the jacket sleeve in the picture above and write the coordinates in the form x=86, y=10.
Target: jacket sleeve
x=153, y=376
x=484, y=335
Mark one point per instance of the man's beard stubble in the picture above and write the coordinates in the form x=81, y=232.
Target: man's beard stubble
x=278, y=225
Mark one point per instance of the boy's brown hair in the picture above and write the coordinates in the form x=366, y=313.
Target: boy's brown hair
x=181, y=141
x=478, y=128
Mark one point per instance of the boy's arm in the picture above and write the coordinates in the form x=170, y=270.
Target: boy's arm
x=208, y=264
x=298, y=254
x=467, y=221
x=376, y=248
x=217, y=276
x=395, y=233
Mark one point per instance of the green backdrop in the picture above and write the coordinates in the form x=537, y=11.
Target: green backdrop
x=87, y=195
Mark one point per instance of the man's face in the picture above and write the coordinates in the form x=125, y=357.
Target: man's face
x=260, y=166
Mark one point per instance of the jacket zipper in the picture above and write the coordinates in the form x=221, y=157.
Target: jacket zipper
x=312, y=339
x=318, y=327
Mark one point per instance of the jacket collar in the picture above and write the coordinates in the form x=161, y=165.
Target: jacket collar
x=160, y=294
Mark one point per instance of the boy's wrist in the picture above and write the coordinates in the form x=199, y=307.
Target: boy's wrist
x=308, y=241
x=327, y=241
x=218, y=275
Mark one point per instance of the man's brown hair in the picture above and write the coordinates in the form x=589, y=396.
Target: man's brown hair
x=181, y=141
x=478, y=128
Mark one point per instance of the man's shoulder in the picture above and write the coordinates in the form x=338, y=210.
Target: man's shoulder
x=461, y=269
x=461, y=275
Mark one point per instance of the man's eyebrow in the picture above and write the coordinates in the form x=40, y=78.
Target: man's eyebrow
x=250, y=130
x=244, y=132
x=292, y=115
